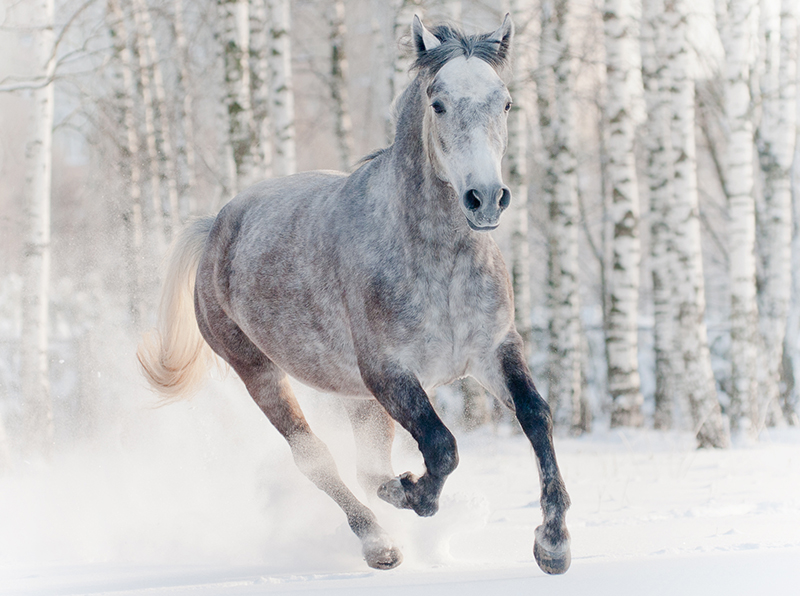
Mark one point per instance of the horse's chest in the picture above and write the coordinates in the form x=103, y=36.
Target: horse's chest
x=454, y=326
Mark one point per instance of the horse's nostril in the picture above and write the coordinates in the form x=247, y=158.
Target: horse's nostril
x=472, y=200
x=505, y=198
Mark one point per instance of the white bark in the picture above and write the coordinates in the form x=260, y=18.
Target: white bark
x=282, y=92
x=156, y=225
x=791, y=397
x=166, y=154
x=695, y=377
x=401, y=57
x=34, y=379
x=132, y=211
x=737, y=36
x=660, y=173
x=623, y=283
x=343, y=126
x=185, y=155
x=234, y=34
x=776, y=138
x=259, y=88
x=556, y=118
x=517, y=162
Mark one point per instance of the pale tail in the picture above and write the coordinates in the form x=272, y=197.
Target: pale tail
x=174, y=356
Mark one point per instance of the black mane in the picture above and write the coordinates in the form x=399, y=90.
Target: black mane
x=456, y=43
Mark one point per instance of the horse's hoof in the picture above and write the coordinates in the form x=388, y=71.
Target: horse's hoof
x=380, y=553
x=553, y=562
x=406, y=492
x=393, y=492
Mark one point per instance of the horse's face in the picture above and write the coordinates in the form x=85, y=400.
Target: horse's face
x=466, y=133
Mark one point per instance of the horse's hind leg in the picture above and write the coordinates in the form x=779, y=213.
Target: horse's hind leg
x=373, y=430
x=271, y=391
x=269, y=387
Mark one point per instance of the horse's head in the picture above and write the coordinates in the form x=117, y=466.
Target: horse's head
x=465, y=128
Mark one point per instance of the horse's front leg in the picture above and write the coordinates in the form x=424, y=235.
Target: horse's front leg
x=508, y=378
x=401, y=394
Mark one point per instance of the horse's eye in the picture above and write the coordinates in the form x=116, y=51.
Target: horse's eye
x=438, y=107
x=508, y=106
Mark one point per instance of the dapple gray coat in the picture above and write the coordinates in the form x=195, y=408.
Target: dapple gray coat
x=377, y=286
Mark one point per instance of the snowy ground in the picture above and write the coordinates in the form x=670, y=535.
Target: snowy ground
x=202, y=498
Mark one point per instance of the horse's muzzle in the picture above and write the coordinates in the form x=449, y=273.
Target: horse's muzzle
x=484, y=205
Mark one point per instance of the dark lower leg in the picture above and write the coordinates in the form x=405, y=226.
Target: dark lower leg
x=404, y=399
x=552, y=541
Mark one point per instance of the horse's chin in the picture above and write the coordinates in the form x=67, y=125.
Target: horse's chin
x=478, y=228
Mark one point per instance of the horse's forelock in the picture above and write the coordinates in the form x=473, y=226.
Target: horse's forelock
x=456, y=43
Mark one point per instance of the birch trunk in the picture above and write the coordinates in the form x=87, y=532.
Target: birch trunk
x=791, y=396
x=156, y=214
x=184, y=150
x=166, y=154
x=776, y=138
x=343, y=126
x=695, y=377
x=282, y=92
x=517, y=162
x=556, y=119
x=401, y=57
x=34, y=381
x=235, y=39
x=259, y=88
x=623, y=283
x=132, y=210
x=738, y=42
x=658, y=141
x=384, y=47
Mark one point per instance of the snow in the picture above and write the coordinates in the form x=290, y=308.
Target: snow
x=203, y=498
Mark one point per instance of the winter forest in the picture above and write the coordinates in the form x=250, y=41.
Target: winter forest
x=650, y=158
x=652, y=239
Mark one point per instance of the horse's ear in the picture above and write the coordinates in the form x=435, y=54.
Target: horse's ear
x=503, y=37
x=424, y=40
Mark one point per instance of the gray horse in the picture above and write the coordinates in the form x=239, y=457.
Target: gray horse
x=377, y=286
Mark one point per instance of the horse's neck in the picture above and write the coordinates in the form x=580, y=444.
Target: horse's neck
x=424, y=202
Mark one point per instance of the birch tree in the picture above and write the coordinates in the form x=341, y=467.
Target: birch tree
x=695, y=377
x=776, y=137
x=34, y=374
x=184, y=149
x=517, y=162
x=343, y=126
x=132, y=205
x=156, y=214
x=281, y=90
x=234, y=35
x=556, y=120
x=166, y=154
x=736, y=30
x=259, y=88
x=623, y=282
x=791, y=395
x=658, y=143
x=400, y=61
